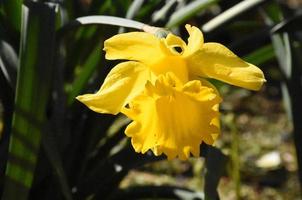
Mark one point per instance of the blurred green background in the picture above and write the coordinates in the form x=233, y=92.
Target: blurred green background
x=53, y=147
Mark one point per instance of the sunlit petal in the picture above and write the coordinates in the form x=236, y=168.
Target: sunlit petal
x=123, y=83
x=136, y=46
x=216, y=61
x=195, y=40
x=173, y=42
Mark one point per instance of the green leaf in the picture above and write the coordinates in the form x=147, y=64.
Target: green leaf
x=215, y=166
x=54, y=157
x=84, y=75
x=134, y=8
x=132, y=11
x=288, y=50
x=261, y=55
x=146, y=9
x=289, y=25
x=8, y=63
x=231, y=13
x=280, y=42
x=109, y=171
x=7, y=100
x=33, y=90
x=188, y=11
x=12, y=10
x=114, y=134
x=287, y=101
x=273, y=14
x=161, y=14
x=234, y=172
x=110, y=143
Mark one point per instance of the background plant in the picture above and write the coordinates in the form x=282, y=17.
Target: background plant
x=52, y=147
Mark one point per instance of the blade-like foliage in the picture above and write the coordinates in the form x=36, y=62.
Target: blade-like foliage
x=215, y=165
x=55, y=159
x=33, y=90
x=188, y=11
x=87, y=70
x=8, y=63
x=288, y=52
x=12, y=10
x=261, y=55
x=108, y=172
x=160, y=14
x=230, y=14
x=132, y=11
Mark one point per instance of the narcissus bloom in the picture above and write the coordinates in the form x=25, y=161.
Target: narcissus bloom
x=178, y=113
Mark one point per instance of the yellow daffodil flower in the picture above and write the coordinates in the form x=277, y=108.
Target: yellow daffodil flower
x=172, y=107
x=151, y=56
x=173, y=118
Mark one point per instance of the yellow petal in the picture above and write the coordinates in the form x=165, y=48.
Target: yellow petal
x=195, y=40
x=137, y=46
x=171, y=120
x=122, y=84
x=216, y=61
x=173, y=41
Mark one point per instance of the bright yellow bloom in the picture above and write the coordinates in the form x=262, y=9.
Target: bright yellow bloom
x=173, y=118
x=151, y=56
x=172, y=107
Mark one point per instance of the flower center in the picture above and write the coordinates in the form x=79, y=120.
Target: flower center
x=173, y=64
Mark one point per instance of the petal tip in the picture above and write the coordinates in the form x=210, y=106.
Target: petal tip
x=80, y=98
x=188, y=26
